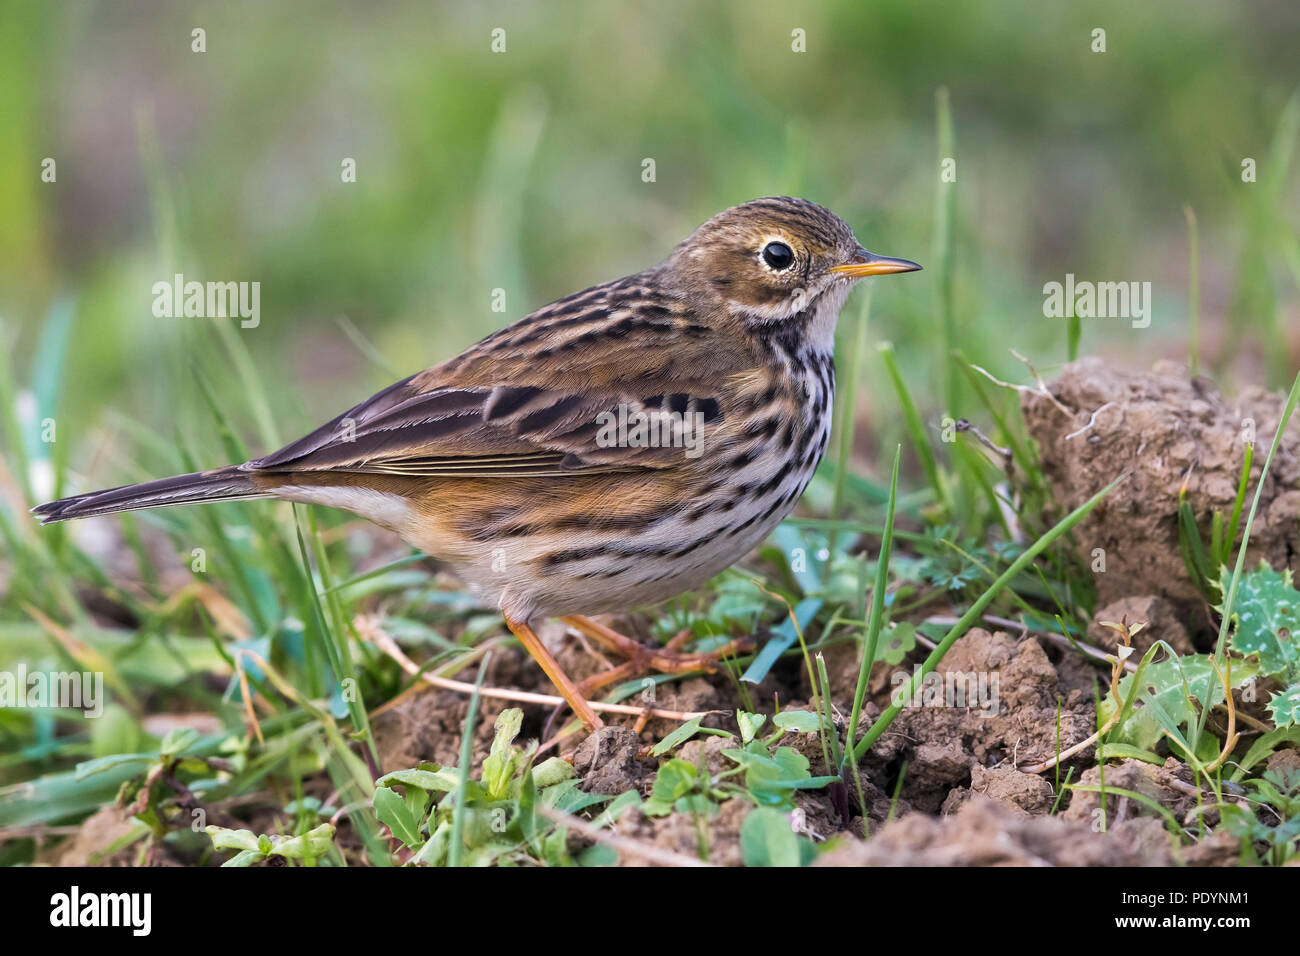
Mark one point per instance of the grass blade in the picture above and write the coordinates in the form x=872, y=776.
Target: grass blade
x=876, y=619
x=457, y=849
x=975, y=612
x=915, y=428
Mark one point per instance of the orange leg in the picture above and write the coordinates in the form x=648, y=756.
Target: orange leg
x=568, y=690
x=666, y=660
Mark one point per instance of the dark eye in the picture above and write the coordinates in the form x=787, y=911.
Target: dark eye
x=778, y=255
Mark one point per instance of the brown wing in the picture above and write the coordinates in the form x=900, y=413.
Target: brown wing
x=534, y=398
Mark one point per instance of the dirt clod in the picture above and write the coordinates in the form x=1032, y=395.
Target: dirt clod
x=985, y=832
x=1167, y=786
x=717, y=840
x=1163, y=429
x=428, y=725
x=1014, y=720
x=607, y=761
x=1284, y=761
x=933, y=771
x=1024, y=792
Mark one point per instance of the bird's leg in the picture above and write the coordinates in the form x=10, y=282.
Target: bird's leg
x=568, y=690
x=588, y=688
x=666, y=660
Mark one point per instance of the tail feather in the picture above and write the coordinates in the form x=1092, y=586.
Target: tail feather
x=221, y=484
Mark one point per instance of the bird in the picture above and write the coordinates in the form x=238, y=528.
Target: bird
x=611, y=450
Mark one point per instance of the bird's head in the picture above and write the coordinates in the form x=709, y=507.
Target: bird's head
x=770, y=260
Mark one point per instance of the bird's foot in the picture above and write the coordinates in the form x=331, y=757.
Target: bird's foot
x=641, y=659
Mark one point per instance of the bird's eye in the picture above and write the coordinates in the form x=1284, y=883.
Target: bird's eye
x=778, y=255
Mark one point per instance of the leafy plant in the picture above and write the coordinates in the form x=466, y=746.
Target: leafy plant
x=1269, y=825
x=766, y=839
x=504, y=823
x=258, y=848
x=1265, y=627
x=957, y=564
x=1284, y=707
x=1266, y=621
x=162, y=795
x=1163, y=700
x=765, y=774
x=310, y=811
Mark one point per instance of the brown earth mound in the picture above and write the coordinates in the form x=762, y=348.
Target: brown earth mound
x=1163, y=429
x=988, y=833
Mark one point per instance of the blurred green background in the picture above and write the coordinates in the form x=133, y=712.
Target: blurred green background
x=522, y=171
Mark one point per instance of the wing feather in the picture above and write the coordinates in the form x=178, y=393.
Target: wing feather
x=528, y=400
x=464, y=433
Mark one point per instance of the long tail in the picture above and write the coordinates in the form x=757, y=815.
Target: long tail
x=221, y=484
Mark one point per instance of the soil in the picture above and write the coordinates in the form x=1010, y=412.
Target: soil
x=961, y=799
x=719, y=839
x=986, y=832
x=1162, y=429
x=427, y=727
x=610, y=762
x=1170, y=786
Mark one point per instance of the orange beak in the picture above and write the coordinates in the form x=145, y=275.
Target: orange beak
x=869, y=264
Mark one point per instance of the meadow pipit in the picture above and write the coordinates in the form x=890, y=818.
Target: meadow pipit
x=615, y=448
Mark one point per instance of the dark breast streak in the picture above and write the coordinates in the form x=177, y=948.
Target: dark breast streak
x=741, y=490
x=786, y=440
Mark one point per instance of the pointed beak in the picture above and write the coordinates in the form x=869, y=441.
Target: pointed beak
x=869, y=264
